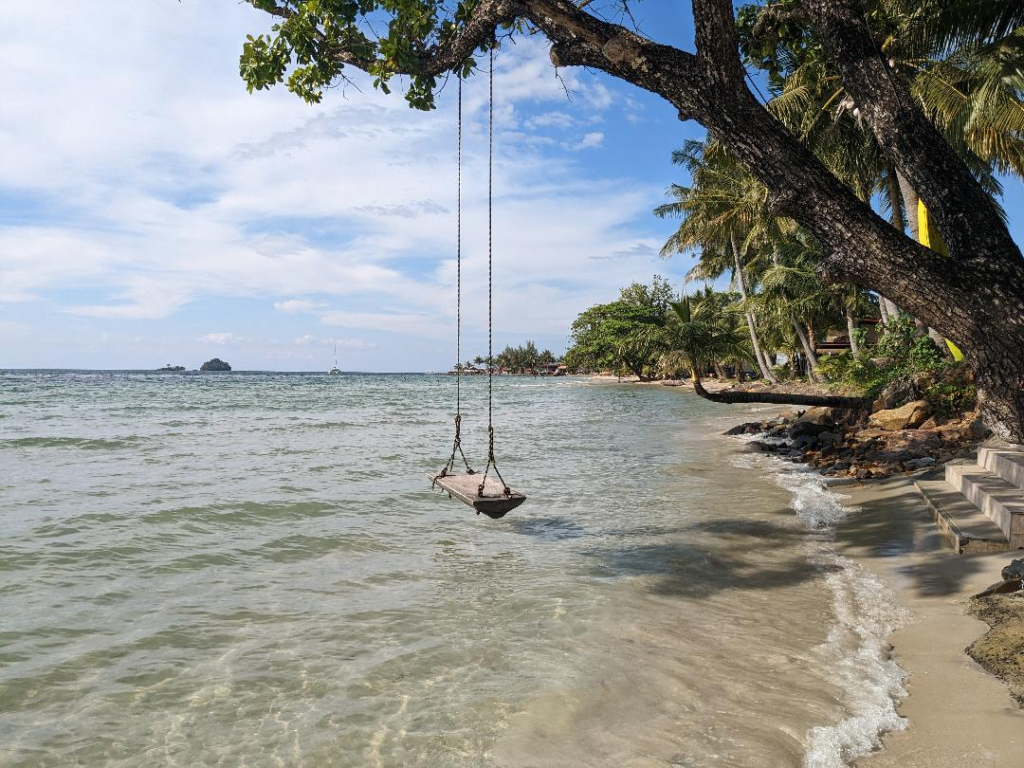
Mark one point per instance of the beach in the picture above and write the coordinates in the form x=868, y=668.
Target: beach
x=959, y=714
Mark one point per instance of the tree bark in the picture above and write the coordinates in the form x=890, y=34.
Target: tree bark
x=780, y=398
x=755, y=342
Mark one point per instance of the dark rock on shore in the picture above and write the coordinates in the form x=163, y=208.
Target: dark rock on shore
x=843, y=444
x=1014, y=571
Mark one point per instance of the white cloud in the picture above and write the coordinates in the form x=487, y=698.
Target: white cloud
x=221, y=339
x=309, y=339
x=589, y=141
x=298, y=305
x=551, y=120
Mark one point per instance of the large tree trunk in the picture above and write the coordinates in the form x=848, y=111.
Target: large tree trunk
x=755, y=342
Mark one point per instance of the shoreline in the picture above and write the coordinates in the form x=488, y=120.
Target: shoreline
x=959, y=714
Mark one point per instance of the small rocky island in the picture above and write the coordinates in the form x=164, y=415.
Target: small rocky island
x=215, y=365
x=170, y=367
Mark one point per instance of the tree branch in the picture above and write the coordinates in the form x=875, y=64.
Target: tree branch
x=781, y=398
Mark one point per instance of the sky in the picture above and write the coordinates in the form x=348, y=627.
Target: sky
x=154, y=212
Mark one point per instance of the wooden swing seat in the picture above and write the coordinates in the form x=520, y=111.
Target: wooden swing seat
x=466, y=488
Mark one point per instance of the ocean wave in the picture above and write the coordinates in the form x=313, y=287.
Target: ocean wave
x=857, y=652
x=861, y=661
x=82, y=443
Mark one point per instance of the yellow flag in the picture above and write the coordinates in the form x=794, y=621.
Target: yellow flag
x=930, y=238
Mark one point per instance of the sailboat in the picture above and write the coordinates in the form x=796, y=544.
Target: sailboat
x=335, y=371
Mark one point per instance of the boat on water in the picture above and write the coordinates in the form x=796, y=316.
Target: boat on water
x=335, y=370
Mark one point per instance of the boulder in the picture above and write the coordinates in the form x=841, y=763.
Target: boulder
x=924, y=461
x=1013, y=580
x=1014, y=571
x=742, y=429
x=896, y=392
x=978, y=430
x=906, y=416
x=819, y=416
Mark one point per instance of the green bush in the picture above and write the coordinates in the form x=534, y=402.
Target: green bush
x=835, y=367
x=901, y=352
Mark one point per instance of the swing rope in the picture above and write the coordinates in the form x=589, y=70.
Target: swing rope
x=491, y=461
x=457, y=444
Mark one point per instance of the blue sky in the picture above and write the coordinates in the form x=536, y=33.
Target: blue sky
x=152, y=212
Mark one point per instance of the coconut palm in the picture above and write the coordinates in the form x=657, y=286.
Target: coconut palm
x=722, y=212
x=704, y=334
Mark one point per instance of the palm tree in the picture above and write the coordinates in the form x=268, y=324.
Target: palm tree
x=703, y=335
x=722, y=211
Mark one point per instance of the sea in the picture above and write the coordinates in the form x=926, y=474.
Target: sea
x=251, y=569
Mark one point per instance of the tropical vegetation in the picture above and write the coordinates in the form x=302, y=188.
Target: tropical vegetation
x=523, y=358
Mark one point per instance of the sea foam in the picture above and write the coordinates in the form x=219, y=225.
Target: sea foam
x=857, y=652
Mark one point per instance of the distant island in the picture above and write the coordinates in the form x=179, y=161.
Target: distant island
x=170, y=367
x=215, y=365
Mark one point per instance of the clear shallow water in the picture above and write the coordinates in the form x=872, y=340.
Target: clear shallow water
x=250, y=570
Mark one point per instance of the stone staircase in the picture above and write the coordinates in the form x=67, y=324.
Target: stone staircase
x=980, y=507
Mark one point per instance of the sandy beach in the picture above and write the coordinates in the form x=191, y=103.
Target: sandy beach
x=959, y=714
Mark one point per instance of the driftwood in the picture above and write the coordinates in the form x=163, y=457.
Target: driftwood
x=781, y=398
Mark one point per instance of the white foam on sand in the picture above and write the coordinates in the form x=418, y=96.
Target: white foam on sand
x=857, y=653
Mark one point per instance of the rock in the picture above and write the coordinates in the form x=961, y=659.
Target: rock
x=819, y=416
x=864, y=474
x=895, y=393
x=978, y=430
x=924, y=461
x=805, y=441
x=841, y=465
x=909, y=415
x=742, y=429
x=1014, y=571
x=867, y=434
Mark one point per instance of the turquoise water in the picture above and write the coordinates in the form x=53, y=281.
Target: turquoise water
x=251, y=570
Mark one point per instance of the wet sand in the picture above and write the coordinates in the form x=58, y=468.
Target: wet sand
x=959, y=715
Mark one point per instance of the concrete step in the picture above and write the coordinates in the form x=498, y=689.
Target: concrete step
x=1005, y=462
x=1002, y=502
x=965, y=526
